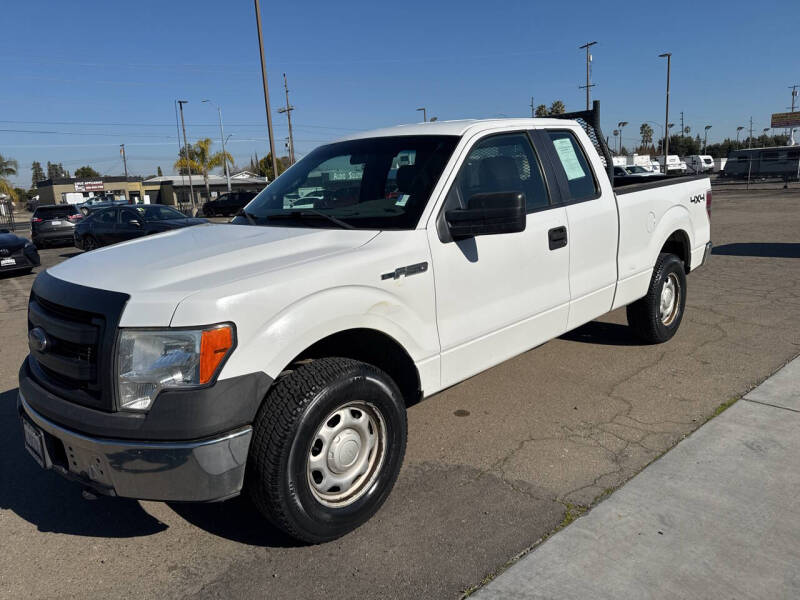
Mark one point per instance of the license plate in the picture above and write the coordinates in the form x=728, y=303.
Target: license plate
x=55, y=222
x=34, y=442
x=7, y=262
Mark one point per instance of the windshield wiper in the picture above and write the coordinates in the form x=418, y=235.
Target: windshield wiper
x=310, y=212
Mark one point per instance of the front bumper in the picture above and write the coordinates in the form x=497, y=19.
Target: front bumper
x=193, y=471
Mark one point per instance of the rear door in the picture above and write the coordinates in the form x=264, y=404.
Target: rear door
x=103, y=226
x=129, y=225
x=499, y=295
x=592, y=221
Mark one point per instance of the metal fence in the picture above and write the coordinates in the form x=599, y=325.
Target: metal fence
x=7, y=215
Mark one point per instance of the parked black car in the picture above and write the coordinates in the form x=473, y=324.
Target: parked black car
x=117, y=224
x=54, y=224
x=228, y=204
x=17, y=253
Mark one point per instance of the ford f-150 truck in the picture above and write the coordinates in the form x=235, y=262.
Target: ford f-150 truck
x=277, y=354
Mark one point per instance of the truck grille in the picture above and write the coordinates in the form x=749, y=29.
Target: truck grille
x=76, y=363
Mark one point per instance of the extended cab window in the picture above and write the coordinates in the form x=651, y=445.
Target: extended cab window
x=580, y=179
x=371, y=183
x=500, y=163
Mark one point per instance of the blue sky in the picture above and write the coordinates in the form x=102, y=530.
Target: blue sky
x=89, y=75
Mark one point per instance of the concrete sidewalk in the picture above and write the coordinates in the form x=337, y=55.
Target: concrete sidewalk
x=718, y=516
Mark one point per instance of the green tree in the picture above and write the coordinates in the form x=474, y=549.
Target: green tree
x=86, y=172
x=8, y=167
x=55, y=171
x=264, y=168
x=557, y=108
x=199, y=159
x=541, y=111
x=160, y=173
x=647, y=135
x=37, y=174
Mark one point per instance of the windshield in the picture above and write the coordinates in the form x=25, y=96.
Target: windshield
x=374, y=183
x=637, y=169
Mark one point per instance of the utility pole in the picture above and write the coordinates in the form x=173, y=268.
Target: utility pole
x=124, y=159
x=668, y=56
x=794, y=96
x=424, y=114
x=705, y=138
x=178, y=130
x=683, y=129
x=186, y=150
x=288, y=110
x=266, y=91
x=588, y=72
x=533, y=111
x=222, y=139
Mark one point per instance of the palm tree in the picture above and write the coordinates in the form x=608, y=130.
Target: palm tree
x=8, y=167
x=200, y=160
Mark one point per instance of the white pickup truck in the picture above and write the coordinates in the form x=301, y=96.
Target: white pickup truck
x=277, y=354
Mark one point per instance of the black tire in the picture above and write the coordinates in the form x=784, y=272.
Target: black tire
x=287, y=425
x=645, y=315
x=89, y=243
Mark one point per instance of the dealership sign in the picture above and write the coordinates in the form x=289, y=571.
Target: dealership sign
x=790, y=119
x=89, y=186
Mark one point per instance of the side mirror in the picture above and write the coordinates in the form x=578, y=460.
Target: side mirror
x=488, y=214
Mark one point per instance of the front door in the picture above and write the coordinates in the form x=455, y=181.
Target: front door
x=499, y=295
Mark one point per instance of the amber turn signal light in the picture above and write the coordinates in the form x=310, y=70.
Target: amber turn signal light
x=215, y=345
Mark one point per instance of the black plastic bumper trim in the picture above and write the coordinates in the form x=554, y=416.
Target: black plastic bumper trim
x=175, y=415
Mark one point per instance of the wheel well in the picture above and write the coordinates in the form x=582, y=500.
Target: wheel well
x=678, y=244
x=373, y=347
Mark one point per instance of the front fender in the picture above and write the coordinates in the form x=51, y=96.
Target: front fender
x=306, y=321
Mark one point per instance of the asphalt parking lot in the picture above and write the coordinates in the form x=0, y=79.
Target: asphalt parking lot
x=493, y=464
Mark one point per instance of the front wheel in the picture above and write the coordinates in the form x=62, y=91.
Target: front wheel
x=328, y=444
x=90, y=243
x=656, y=317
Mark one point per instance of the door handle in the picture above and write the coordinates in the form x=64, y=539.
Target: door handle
x=557, y=237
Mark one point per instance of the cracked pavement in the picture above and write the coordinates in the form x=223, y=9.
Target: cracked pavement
x=491, y=465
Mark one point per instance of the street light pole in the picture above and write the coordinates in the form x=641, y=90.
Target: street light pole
x=764, y=132
x=705, y=139
x=186, y=150
x=124, y=159
x=588, y=62
x=738, y=129
x=621, y=124
x=222, y=139
x=266, y=91
x=424, y=114
x=668, y=56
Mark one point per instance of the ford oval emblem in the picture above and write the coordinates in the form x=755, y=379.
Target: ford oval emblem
x=38, y=340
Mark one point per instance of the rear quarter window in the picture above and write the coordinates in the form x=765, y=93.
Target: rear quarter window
x=580, y=178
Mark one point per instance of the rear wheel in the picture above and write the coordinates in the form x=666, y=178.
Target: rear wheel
x=90, y=243
x=656, y=317
x=327, y=447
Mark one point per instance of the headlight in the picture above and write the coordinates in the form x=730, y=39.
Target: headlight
x=151, y=360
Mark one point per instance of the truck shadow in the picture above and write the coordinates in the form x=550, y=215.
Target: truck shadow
x=237, y=520
x=602, y=333
x=53, y=504
x=760, y=249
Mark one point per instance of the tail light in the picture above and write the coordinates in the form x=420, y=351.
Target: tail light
x=74, y=217
x=36, y=220
x=708, y=203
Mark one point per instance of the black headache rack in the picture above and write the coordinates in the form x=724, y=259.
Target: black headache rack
x=589, y=120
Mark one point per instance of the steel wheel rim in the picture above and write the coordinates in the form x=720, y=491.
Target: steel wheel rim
x=669, y=301
x=346, y=454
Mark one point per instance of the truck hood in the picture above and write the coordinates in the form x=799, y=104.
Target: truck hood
x=159, y=271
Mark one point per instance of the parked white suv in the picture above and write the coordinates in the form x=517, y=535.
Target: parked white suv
x=278, y=354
